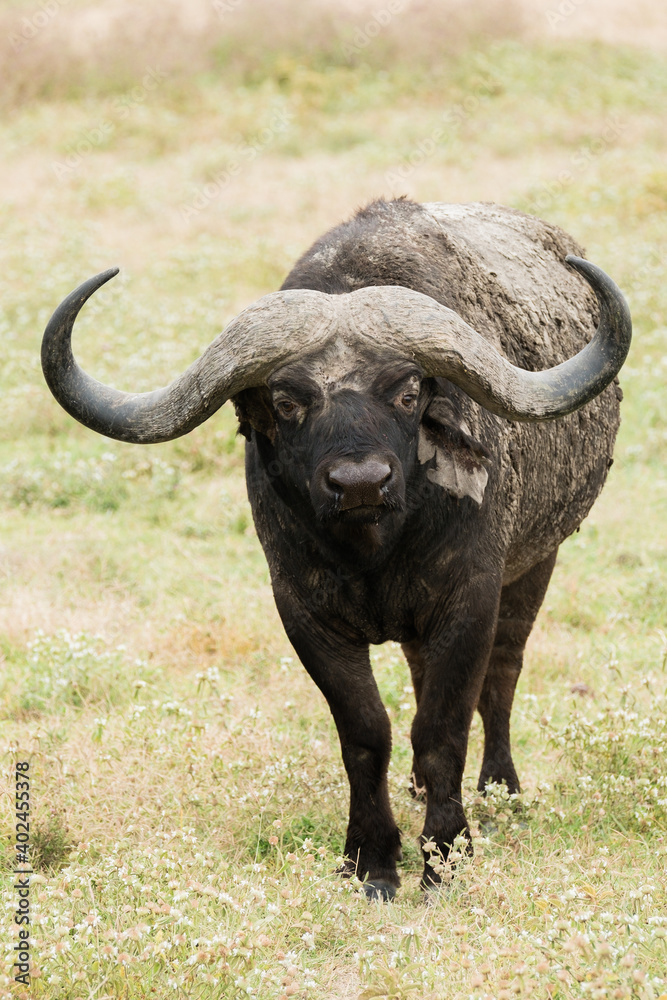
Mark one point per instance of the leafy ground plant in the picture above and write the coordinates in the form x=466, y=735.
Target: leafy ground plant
x=51, y=842
x=74, y=671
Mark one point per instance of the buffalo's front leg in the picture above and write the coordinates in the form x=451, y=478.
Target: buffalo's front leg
x=342, y=671
x=454, y=658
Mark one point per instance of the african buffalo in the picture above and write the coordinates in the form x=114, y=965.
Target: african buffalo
x=407, y=481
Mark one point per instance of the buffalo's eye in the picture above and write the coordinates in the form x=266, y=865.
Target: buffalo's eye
x=408, y=400
x=287, y=407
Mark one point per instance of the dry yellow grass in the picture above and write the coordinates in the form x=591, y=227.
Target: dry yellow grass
x=61, y=46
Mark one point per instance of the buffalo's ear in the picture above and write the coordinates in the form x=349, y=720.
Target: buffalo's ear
x=255, y=411
x=457, y=461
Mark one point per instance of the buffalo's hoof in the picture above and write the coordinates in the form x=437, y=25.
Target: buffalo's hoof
x=379, y=890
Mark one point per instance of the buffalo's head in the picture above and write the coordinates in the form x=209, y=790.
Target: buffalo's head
x=336, y=432
x=339, y=391
x=349, y=434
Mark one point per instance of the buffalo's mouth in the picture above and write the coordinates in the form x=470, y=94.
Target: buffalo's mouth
x=362, y=514
x=364, y=528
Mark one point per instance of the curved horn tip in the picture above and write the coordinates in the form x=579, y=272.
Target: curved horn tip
x=604, y=287
x=587, y=268
x=82, y=292
x=98, y=280
x=575, y=261
x=104, y=276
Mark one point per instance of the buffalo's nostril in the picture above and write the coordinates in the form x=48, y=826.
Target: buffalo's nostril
x=359, y=483
x=370, y=472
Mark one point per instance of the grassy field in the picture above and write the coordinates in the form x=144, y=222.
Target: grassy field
x=189, y=802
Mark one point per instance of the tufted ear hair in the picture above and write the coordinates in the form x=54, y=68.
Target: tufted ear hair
x=456, y=461
x=254, y=411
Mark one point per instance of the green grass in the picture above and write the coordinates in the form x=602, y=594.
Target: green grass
x=188, y=797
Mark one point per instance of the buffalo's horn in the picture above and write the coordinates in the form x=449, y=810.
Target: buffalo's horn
x=275, y=330
x=284, y=326
x=443, y=344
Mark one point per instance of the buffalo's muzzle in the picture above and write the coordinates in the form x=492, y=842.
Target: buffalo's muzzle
x=359, y=484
